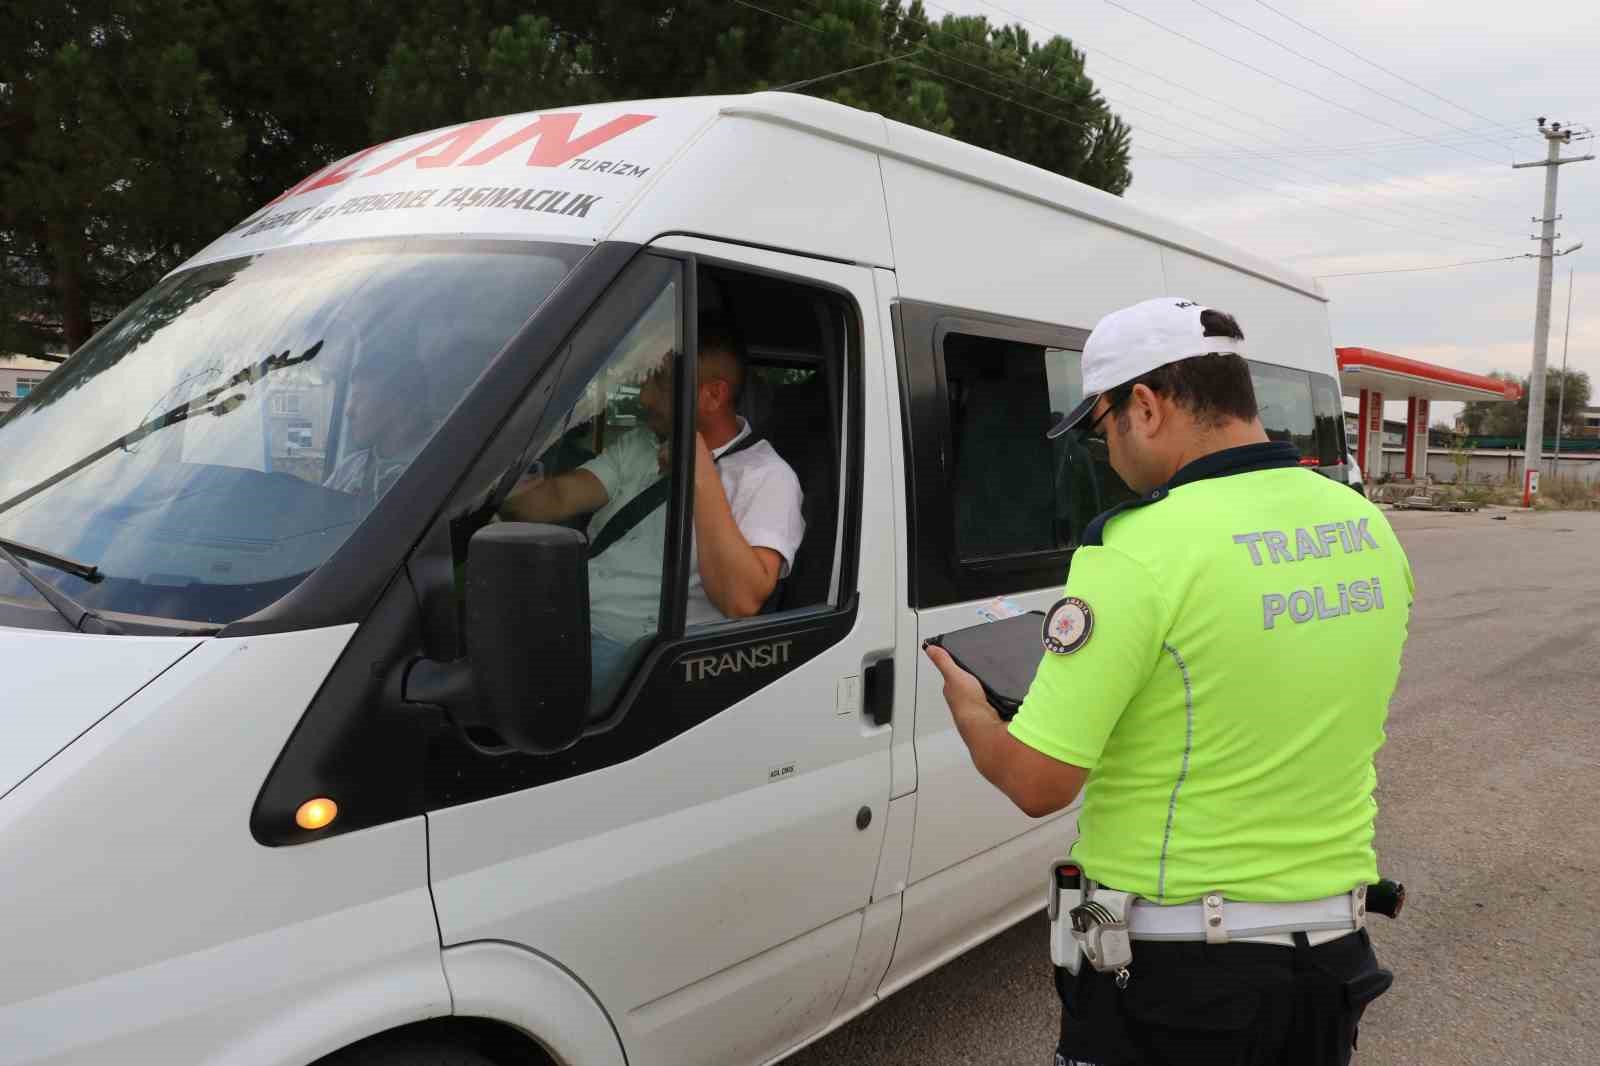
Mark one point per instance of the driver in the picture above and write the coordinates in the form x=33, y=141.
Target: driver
x=747, y=522
x=386, y=423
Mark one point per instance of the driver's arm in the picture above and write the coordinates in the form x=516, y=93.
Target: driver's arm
x=739, y=576
x=555, y=498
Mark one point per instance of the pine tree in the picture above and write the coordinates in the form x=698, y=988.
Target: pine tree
x=130, y=137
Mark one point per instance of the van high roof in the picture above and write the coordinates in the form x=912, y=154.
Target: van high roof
x=816, y=174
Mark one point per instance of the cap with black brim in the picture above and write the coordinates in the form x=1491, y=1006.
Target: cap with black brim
x=1073, y=417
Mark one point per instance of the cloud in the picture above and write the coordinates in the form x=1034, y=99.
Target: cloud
x=1427, y=204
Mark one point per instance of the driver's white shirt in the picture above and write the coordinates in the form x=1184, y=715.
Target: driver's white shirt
x=625, y=579
x=367, y=472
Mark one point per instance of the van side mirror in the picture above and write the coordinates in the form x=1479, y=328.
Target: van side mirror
x=526, y=673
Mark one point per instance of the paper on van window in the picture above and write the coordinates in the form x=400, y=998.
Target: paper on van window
x=566, y=174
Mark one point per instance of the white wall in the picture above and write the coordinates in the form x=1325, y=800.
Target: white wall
x=1494, y=466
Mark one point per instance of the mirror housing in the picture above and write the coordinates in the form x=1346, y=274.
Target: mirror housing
x=526, y=673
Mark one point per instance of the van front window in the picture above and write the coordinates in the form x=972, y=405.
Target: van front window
x=226, y=433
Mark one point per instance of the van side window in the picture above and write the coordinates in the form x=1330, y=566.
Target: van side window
x=1015, y=493
x=601, y=461
x=1303, y=409
x=605, y=468
x=1328, y=407
x=1283, y=398
x=796, y=340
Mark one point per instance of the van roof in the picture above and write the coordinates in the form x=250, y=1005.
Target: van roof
x=575, y=174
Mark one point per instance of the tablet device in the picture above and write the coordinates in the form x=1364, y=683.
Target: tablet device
x=1002, y=655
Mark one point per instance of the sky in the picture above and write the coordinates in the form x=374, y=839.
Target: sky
x=1363, y=171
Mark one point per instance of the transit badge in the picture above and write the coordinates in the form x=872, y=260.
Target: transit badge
x=1067, y=626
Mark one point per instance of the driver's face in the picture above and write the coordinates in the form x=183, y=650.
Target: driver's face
x=655, y=397
x=372, y=412
x=363, y=413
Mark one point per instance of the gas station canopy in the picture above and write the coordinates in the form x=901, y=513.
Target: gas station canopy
x=1374, y=376
x=1395, y=377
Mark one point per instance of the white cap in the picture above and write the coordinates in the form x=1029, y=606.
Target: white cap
x=1129, y=343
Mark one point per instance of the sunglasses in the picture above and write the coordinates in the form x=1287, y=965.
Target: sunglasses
x=1088, y=433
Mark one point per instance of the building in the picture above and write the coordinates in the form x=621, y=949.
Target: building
x=1394, y=432
x=1491, y=460
x=20, y=375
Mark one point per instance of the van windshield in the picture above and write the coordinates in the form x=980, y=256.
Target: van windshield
x=220, y=439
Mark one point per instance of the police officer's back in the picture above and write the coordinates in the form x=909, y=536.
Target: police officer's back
x=1218, y=672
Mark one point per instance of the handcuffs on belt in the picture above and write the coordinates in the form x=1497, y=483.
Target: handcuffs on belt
x=1096, y=925
x=1096, y=920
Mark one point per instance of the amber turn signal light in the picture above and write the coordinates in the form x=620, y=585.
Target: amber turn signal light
x=316, y=813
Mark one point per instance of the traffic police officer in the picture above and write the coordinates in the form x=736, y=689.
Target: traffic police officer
x=1216, y=680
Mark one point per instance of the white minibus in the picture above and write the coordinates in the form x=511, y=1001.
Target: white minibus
x=300, y=758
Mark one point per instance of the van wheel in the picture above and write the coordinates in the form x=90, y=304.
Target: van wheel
x=404, y=1050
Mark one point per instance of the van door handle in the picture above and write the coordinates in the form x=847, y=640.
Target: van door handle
x=879, y=695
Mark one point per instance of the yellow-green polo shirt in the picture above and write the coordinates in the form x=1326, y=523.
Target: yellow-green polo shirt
x=1248, y=621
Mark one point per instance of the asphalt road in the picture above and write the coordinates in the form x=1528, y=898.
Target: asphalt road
x=1489, y=812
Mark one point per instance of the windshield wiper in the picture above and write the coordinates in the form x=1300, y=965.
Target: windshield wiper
x=81, y=618
x=51, y=559
x=200, y=405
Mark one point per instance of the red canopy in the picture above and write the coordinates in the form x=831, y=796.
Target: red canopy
x=1399, y=378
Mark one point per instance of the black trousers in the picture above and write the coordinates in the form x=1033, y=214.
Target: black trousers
x=1197, y=1004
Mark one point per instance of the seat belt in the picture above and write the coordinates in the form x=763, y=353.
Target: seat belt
x=643, y=505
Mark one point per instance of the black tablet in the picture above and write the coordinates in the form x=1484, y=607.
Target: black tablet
x=1002, y=655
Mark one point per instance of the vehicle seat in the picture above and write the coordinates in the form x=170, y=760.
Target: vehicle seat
x=801, y=428
x=755, y=403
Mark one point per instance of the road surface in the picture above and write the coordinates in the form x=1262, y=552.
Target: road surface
x=1489, y=811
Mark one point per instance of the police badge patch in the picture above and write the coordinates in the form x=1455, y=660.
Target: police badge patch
x=1067, y=626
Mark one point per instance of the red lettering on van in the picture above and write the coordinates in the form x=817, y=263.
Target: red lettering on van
x=555, y=144
x=332, y=174
x=453, y=144
x=343, y=171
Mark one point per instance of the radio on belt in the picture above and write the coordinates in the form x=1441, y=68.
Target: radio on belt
x=1387, y=898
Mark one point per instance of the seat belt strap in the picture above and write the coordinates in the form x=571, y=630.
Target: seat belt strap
x=643, y=505
x=632, y=513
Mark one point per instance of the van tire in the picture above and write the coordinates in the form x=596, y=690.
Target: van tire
x=406, y=1050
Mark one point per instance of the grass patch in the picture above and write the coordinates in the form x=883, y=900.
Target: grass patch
x=1568, y=494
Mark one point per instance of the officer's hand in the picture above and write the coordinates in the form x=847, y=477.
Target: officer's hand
x=961, y=689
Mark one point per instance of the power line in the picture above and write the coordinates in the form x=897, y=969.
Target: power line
x=1366, y=172
x=1317, y=63
x=1322, y=36
x=1447, y=216
x=1167, y=137
x=1063, y=119
x=1275, y=177
x=1355, y=151
x=1199, y=95
x=1247, y=153
x=1281, y=81
x=1414, y=270
x=793, y=85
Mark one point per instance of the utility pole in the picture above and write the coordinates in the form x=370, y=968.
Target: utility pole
x=1533, y=446
x=1561, y=403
